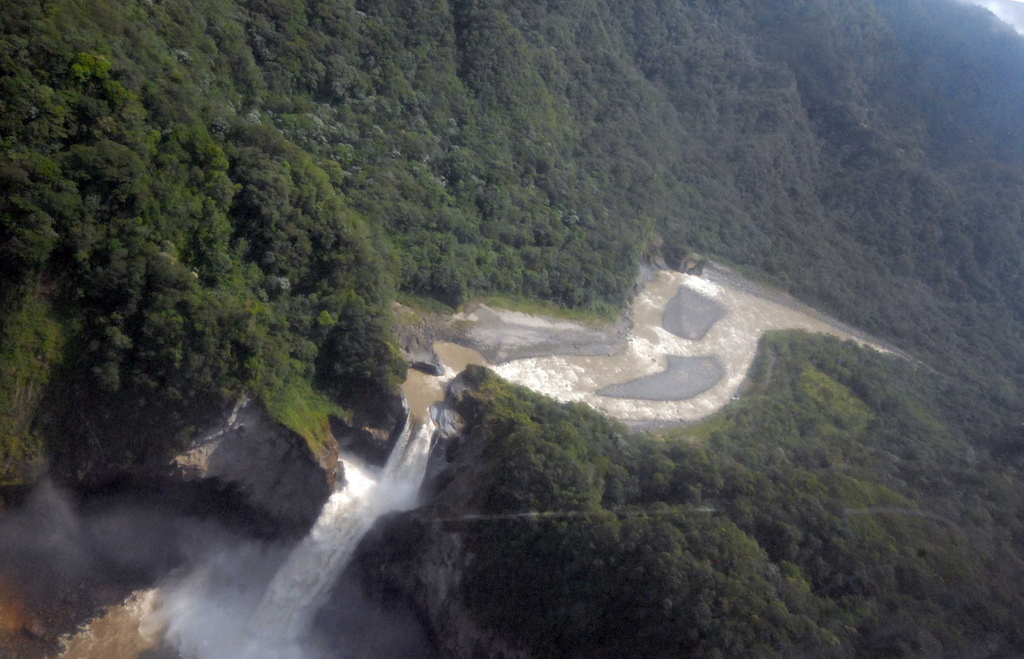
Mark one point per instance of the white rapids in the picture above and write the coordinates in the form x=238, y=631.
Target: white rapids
x=733, y=340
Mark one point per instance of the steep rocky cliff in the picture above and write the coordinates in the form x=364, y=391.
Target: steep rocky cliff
x=271, y=466
x=275, y=469
x=423, y=562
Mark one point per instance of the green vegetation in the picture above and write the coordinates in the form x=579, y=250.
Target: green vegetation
x=31, y=347
x=424, y=305
x=307, y=412
x=199, y=198
x=225, y=195
x=838, y=510
x=197, y=252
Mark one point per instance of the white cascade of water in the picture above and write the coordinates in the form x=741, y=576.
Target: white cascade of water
x=230, y=607
x=303, y=583
x=400, y=483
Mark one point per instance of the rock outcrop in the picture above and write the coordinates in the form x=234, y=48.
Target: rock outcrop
x=269, y=465
x=373, y=430
x=685, y=262
x=416, y=337
x=424, y=358
x=448, y=421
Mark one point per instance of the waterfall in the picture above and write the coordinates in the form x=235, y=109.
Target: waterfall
x=303, y=583
x=224, y=609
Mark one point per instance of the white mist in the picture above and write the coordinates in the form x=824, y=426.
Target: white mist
x=232, y=608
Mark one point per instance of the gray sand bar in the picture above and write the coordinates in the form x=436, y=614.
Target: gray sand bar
x=685, y=378
x=690, y=315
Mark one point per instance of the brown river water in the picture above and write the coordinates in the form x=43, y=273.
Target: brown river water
x=121, y=632
x=422, y=390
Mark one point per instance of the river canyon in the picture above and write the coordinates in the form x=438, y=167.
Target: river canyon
x=685, y=354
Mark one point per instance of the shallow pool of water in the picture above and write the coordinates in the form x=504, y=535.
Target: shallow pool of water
x=422, y=390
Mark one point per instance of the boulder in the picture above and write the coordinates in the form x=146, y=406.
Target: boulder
x=685, y=262
x=694, y=265
x=427, y=363
x=417, y=341
x=423, y=357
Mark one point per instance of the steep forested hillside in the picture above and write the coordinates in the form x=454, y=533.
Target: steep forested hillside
x=838, y=510
x=203, y=197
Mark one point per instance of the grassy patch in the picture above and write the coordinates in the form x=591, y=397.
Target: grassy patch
x=599, y=314
x=774, y=282
x=304, y=410
x=698, y=432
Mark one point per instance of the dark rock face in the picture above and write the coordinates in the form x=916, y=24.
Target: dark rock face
x=690, y=315
x=370, y=440
x=420, y=559
x=673, y=257
x=449, y=422
x=449, y=425
x=457, y=389
x=427, y=361
x=369, y=625
x=270, y=466
x=685, y=378
x=421, y=562
x=418, y=346
x=366, y=444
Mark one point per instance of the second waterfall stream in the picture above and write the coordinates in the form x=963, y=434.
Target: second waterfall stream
x=254, y=619
x=301, y=586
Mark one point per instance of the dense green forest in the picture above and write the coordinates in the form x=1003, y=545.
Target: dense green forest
x=838, y=509
x=204, y=197
x=199, y=198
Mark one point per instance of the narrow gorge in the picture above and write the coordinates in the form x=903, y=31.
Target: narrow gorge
x=225, y=607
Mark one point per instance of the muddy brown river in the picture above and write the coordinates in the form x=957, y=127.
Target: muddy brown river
x=422, y=390
x=671, y=378
x=120, y=633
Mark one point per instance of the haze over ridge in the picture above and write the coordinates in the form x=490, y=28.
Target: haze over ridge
x=1010, y=12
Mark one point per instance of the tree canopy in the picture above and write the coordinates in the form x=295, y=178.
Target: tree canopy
x=840, y=508
x=225, y=195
